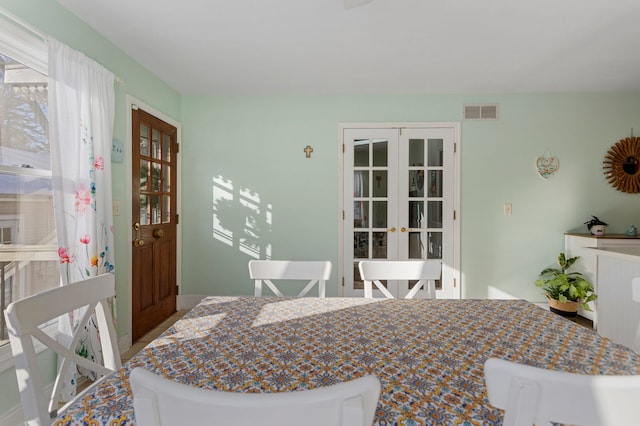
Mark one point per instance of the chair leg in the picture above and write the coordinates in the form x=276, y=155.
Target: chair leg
x=431, y=289
x=415, y=289
x=308, y=287
x=273, y=288
x=368, y=291
x=383, y=289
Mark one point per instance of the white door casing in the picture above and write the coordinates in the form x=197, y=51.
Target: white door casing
x=399, y=188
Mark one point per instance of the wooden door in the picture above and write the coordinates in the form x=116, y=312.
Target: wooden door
x=399, y=203
x=154, y=159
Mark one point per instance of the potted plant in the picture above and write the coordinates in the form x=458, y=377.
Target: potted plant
x=596, y=226
x=566, y=291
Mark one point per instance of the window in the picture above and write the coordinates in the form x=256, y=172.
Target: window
x=28, y=247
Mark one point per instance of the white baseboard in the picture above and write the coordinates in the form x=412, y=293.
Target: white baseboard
x=182, y=302
x=188, y=301
x=12, y=417
x=124, y=343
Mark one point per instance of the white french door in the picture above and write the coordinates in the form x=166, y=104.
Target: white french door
x=399, y=202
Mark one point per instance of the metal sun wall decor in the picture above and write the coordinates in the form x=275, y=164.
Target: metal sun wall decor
x=547, y=165
x=622, y=165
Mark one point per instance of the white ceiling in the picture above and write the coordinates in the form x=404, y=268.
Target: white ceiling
x=383, y=47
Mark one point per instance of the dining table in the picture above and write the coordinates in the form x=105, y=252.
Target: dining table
x=428, y=354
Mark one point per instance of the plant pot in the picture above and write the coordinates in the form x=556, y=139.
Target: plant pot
x=565, y=309
x=597, y=230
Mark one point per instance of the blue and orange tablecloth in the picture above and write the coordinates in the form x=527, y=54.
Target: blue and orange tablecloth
x=428, y=354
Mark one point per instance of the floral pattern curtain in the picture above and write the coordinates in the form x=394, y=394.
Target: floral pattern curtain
x=81, y=115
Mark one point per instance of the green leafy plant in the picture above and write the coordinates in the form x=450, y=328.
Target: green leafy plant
x=565, y=286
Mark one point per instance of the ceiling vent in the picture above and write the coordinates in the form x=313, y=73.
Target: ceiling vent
x=481, y=112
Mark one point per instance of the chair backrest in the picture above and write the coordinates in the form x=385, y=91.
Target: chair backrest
x=425, y=271
x=266, y=270
x=635, y=295
x=530, y=394
x=159, y=401
x=23, y=320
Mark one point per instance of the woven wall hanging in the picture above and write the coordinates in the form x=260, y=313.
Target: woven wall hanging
x=622, y=165
x=547, y=165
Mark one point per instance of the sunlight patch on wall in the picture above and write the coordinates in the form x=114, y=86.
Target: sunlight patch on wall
x=240, y=220
x=496, y=293
x=222, y=197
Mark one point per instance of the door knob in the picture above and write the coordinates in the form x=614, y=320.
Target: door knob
x=138, y=243
x=158, y=233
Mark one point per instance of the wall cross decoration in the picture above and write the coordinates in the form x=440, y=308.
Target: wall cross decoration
x=308, y=150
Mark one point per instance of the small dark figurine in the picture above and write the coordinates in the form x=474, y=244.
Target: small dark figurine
x=596, y=226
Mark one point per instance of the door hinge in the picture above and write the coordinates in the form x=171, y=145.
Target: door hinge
x=454, y=215
x=455, y=148
x=177, y=219
x=177, y=289
x=455, y=284
x=177, y=148
x=343, y=148
x=342, y=281
x=342, y=214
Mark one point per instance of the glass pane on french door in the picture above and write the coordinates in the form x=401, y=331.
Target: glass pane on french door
x=424, y=199
x=370, y=185
x=370, y=213
x=426, y=202
x=398, y=193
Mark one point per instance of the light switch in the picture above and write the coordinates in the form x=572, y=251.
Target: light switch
x=507, y=209
x=117, y=151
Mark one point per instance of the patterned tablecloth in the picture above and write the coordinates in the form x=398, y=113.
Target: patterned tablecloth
x=428, y=354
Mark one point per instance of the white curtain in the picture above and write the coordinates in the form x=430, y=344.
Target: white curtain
x=81, y=115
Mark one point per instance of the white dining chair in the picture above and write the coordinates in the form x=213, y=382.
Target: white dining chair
x=635, y=295
x=531, y=395
x=264, y=271
x=24, y=319
x=158, y=401
x=425, y=271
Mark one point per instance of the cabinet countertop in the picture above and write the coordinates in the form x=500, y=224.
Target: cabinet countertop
x=610, y=236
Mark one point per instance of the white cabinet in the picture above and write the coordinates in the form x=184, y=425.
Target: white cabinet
x=582, y=245
x=618, y=313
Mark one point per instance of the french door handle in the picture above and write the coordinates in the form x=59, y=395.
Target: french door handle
x=391, y=230
x=403, y=229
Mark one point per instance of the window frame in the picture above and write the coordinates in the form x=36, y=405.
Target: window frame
x=28, y=47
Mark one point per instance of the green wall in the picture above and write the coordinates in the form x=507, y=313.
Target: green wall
x=254, y=145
